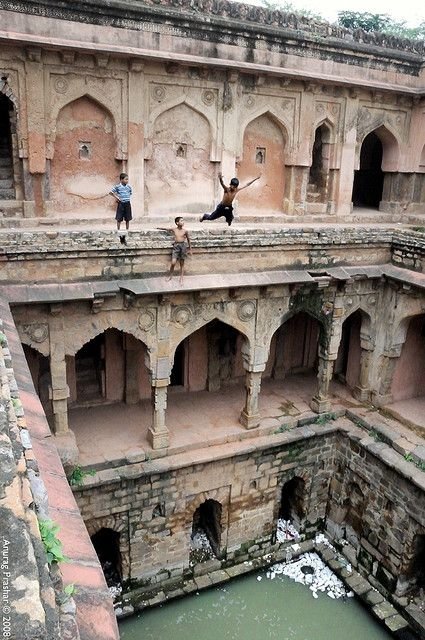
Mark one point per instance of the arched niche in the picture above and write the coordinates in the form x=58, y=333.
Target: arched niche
x=209, y=359
x=106, y=543
x=263, y=154
x=318, y=179
x=409, y=374
x=348, y=361
x=206, y=531
x=291, y=508
x=109, y=368
x=294, y=347
x=83, y=167
x=179, y=175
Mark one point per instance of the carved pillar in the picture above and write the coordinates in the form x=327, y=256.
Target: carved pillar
x=59, y=390
x=36, y=125
x=362, y=390
x=158, y=432
x=295, y=196
x=250, y=415
x=387, y=367
x=320, y=403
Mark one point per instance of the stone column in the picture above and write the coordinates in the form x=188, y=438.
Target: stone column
x=320, y=403
x=158, y=433
x=36, y=125
x=362, y=390
x=250, y=415
x=59, y=390
x=136, y=135
x=388, y=364
x=295, y=196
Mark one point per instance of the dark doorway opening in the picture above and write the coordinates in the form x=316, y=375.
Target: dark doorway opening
x=207, y=520
x=292, y=501
x=106, y=543
x=90, y=370
x=7, y=187
x=417, y=567
x=177, y=377
x=369, y=178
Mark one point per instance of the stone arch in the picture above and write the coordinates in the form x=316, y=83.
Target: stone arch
x=119, y=524
x=74, y=342
x=263, y=153
x=280, y=321
x=213, y=355
x=83, y=166
x=178, y=171
x=321, y=162
x=409, y=372
x=284, y=126
x=390, y=145
x=110, y=367
x=167, y=106
x=207, y=521
x=329, y=126
x=73, y=95
x=294, y=348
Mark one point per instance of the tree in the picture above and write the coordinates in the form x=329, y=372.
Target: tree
x=380, y=22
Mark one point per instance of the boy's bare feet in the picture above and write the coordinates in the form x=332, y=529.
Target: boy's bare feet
x=123, y=240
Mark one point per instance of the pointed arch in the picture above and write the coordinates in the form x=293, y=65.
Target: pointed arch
x=183, y=100
x=72, y=96
x=282, y=124
x=329, y=126
x=390, y=145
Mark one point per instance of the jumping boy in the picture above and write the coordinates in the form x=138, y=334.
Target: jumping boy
x=122, y=193
x=181, y=247
x=225, y=208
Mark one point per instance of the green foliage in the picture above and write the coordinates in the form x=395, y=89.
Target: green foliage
x=376, y=435
x=3, y=340
x=78, y=474
x=69, y=590
x=324, y=418
x=52, y=544
x=418, y=463
x=289, y=7
x=282, y=428
x=380, y=22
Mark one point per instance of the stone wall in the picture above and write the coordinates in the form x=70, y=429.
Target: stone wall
x=187, y=92
x=355, y=486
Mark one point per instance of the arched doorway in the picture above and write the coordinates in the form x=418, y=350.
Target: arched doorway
x=109, y=368
x=106, y=543
x=369, y=178
x=294, y=347
x=291, y=509
x=317, y=188
x=206, y=531
x=347, y=364
x=409, y=375
x=263, y=153
x=7, y=128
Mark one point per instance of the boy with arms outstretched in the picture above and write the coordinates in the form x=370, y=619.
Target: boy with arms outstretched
x=225, y=208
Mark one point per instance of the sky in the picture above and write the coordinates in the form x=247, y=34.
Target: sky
x=411, y=11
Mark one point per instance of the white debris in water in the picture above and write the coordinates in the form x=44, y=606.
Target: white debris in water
x=115, y=591
x=259, y=578
x=286, y=531
x=321, y=539
x=200, y=541
x=309, y=569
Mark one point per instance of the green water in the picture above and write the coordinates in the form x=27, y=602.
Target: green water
x=246, y=609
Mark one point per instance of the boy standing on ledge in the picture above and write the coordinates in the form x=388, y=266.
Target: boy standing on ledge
x=225, y=208
x=122, y=193
x=181, y=247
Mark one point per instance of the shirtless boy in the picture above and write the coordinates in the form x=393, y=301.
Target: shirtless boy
x=225, y=208
x=181, y=247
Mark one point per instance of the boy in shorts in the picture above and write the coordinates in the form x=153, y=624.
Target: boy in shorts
x=181, y=247
x=225, y=208
x=122, y=193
